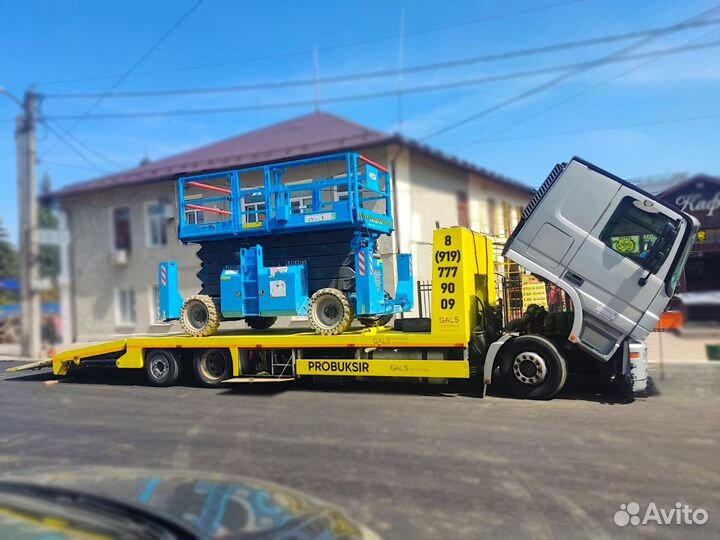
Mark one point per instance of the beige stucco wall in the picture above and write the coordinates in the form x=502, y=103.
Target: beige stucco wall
x=96, y=278
x=425, y=191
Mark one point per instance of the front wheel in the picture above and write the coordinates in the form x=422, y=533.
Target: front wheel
x=199, y=316
x=161, y=367
x=533, y=368
x=330, y=312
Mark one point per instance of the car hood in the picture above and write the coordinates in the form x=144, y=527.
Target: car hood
x=212, y=505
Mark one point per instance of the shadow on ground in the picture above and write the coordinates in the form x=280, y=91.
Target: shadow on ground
x=577, y=387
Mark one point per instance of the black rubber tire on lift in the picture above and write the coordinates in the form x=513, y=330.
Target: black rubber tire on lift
x=199, y=316
x=211, y=366
x=532, y=367
x=330, y=312
x=161, y=367
x=369, y=322
x=260, y=323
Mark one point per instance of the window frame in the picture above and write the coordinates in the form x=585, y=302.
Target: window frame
x=120, y=322
x=615, y=219
x=111, y=219
x=154, y=306
x=148, y=225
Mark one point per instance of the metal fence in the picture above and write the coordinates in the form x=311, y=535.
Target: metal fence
x=424, y=297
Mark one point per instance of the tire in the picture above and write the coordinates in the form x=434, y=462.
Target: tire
x=199, y=316
x=369, y=322
x=532, y=368
x=161, y=367
x=260, y=323
x=211, y=366
x=330, y=312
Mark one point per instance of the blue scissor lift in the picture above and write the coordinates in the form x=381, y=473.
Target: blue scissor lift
x=286, y=239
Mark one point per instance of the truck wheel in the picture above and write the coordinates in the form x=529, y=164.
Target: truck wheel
x=369, y=322
x=211, y=366
x=260, y=323
x=161, y=367
x=533, y=368
x=330, y=312
x=199, y=316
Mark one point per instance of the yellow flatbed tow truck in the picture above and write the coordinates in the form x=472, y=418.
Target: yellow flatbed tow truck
x=580, y=232
x=286, y=354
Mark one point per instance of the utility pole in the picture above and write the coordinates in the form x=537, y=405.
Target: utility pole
x=28, y=226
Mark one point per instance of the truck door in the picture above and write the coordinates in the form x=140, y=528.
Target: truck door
x=609, y=245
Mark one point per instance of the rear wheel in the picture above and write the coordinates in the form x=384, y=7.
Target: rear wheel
x=199, y=316
x=533, y=368
x=161, y=367
x=260, y=323
x=330, y=312
x=211, y=366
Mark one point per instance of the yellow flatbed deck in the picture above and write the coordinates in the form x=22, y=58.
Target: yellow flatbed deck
x=288, y=338
x=131, y=348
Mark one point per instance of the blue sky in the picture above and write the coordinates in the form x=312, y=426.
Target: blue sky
x=638, y=118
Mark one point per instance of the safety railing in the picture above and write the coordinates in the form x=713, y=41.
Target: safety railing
x=340, y=190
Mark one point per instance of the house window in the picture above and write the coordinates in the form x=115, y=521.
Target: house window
x=155, y=305
x=126, y=309
x=492, y=216
x=255, y=212
x=121, y=229
x=463, y=209
x=341, y=193
x=194, y=217
x=507, y=227
x=156, y=229
x=299, y=205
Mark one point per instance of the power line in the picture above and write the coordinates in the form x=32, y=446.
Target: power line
x=390, y=72
x=119, y=81
x=569, y=98
x=92, y=151
x=68, y=165
x=557, y=80
x=85, y=146
x=302, y=52
x=388, y=93
x=593, y=129
x=75, y=150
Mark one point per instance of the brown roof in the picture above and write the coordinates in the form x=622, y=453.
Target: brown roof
x=311, y=134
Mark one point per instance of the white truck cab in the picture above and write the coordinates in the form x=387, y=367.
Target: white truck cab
x=617, y=251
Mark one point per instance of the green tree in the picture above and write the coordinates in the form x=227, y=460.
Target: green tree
x=48, y=256
x=9, y=265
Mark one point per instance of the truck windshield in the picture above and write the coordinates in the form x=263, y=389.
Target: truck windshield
x=633, y=229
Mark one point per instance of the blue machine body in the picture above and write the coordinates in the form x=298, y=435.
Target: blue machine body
x=257, y=290
x=276, y=205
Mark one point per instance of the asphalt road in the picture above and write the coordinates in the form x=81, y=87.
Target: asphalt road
x=409, y=462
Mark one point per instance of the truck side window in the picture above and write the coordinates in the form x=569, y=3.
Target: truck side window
x=632, y=230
